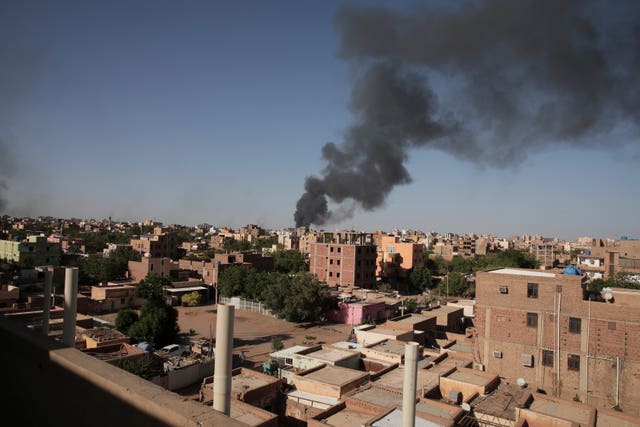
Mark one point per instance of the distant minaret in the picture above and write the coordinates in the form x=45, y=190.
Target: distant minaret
x=109, y=222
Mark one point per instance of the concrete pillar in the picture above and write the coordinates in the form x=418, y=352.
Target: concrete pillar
x=70, y=306
x=223, y=359
x=410, y=380
x=46, y=307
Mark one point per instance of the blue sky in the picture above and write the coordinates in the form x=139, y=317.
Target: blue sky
x=198, y=111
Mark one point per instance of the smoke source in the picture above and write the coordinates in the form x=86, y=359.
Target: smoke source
x=514, y=77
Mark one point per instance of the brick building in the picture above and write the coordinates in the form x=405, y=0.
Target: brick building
x=344, y=264
x=622, y=256
x=138, y=270
x=160, y=244
x=545, y=327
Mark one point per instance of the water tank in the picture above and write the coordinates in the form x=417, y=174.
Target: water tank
x=587, y=252
x=624, y=238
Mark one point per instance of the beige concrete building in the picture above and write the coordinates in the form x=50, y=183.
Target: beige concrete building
x=395, y=258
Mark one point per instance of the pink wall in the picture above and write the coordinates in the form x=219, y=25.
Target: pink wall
x=355, y=314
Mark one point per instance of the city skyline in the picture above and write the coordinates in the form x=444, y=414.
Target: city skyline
x=194, y=112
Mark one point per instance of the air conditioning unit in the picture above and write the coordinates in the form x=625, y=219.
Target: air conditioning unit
x=504, y=289
x=497, y=354
x=527, y=360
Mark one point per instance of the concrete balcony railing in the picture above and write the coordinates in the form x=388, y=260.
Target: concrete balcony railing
x=47, y=384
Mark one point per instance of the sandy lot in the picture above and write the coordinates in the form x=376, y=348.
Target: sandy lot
x=253, y=332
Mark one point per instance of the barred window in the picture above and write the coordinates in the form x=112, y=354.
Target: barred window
x=575, y=325
x=532, y=320
x=573, y=362
x=532, y=290
x=547, y=358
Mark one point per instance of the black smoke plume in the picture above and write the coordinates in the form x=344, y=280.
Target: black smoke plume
x=512, y=77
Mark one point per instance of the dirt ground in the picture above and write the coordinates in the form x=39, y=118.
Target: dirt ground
x=253, y=332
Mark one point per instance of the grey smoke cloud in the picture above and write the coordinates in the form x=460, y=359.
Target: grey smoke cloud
x=19, y=69
x=518, y=77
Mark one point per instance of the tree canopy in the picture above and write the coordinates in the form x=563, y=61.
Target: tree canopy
x=454, y=284
x=289, y=261
x=158, y=324
x=151, y=287
x=97, y=268
x=300, y=298
x=420, y=279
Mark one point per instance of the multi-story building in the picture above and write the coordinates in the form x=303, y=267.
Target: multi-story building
x=160, y=244
x=34, y=251
x=395, y=258
x=548, y=329
x=544, y=253
x=138, y=270
x=621, y=256
x=344, y=264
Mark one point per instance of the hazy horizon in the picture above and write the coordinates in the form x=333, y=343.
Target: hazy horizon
x=217, y=112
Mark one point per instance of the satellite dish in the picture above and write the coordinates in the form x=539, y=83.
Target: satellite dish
x=607, y=293
x=466, y=407
x=521, y=382
x=147, y=255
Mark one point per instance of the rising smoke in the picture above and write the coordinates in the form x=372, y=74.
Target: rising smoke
x=513, y=77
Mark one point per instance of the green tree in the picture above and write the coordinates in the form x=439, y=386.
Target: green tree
x=290, y=261
x=143, y=367
x=125, y=318
x=234, y=245
x=626, y=280
x=454, y=284
x=300, y=298
x=233, y=279
x=410, y=305
x=158, y=324
x=597, y=285
x=192, y=299
x=420, y=279
x=385, y=288
x=276, y=344
x=152, y=286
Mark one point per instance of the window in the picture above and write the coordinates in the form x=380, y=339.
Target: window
x=330, y=274
x=339, y=250
x=337, y=274
x=338, y=262
x=573, y=362
x=121, y=300
x=504, y=289
x=547, y=358
x=532, y=320
x=612, y=326
x=532, y=290
x=330, y=261
x=575, y=324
